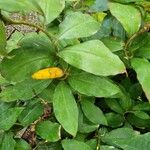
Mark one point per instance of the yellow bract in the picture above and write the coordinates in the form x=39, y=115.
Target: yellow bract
x=48, y=73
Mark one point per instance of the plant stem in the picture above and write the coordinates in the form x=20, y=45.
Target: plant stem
x=52, y=38
x=129, y=41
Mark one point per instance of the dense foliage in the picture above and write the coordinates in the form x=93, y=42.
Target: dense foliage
x=81, y=81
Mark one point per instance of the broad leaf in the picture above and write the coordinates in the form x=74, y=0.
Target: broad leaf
x=30, y=88
x=76, y=145
x=51, y=9
x=142, y=68
x=9, y=117
x=93, y=57
x=92, y=85
x=93, y=113
x=49, y=131
x=24, y=62
x=65, y=108
x=128, y=16
x=78, y=25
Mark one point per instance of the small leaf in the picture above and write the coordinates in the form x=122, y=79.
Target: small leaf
x=76, y=145
x=93, y=113
x=48, y=73
x=65, y=108
x=78, y=25
x=51, y=9
x=92, y=85
x=31, y=113
x=8, y=142
x=3, y=41
x=93, y=57
x=142, y=68
x=9, y=117
x=125, y=14
x=85, y=126
x=48, y=130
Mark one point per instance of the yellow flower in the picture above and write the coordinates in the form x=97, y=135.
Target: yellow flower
x=48, y=73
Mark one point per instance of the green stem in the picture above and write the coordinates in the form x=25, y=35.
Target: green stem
x=52, y=38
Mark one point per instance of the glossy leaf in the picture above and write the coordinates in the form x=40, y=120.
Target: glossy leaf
x=93, y=57
x=76, y=145
x=93, y=113
x=126, y=13
x=9, y=117
x=142, y=68
x=65, y=108
x=92, y=85
x=49, y=131
x=78, y=25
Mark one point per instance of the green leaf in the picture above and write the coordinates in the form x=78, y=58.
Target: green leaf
x=142, y=68
x=127, y=139
x=141, y=114
x=76, y=145
x=114, y=120
x=85, y=126
x=51, y=9
x=8, y=142
x=99, y=6
x=143, y=106
x=22, y=145
x=31, y=113
x=113, y=44
x=9, y=117
x=117, y=136
x=125, y=14
x=92, y=143
x=13, y=41
x=65, y=108
x=114, y=105
x=93, y=57
x=49, y=131
x=30, y=88
x=78, y=25
x=19, y=5
x=92, y=85
x=24, y=62
x=93, y=113
x=2, y=39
